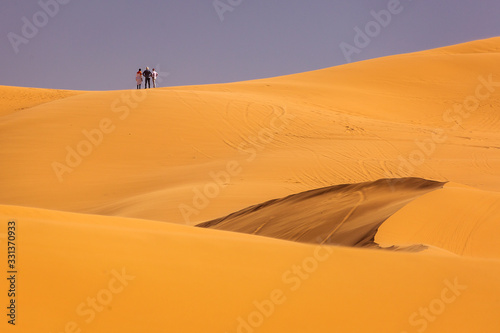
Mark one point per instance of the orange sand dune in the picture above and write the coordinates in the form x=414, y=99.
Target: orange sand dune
x=14, y=99
x=109, y=274
x=462, y=220
x=342, y=215
x=104, y=189
x=192, y=154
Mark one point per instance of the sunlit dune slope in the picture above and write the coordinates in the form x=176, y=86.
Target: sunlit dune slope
x=13, y=99
x=196, y=153
x=463, y=220
x=346, y=215
x=100, y=183
x=111, y=274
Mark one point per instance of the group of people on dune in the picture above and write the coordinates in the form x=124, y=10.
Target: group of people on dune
x=148, y=75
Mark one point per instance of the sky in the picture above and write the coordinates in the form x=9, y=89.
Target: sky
x=100, y=44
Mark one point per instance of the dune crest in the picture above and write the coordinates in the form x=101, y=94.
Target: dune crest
x=14, y=99
x=348, y=214
x=107, y=186
x=391, y=117
x=458, y=219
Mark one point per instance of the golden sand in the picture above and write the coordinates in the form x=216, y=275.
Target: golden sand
x=301, y=186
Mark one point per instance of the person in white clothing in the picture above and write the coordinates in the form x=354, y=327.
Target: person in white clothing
x=154, y=75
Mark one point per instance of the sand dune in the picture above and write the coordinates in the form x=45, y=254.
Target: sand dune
x=346, y=215
x=13, y=99
x=462, y=220
x=180, y=278
x=391, y=117
x=314, y=172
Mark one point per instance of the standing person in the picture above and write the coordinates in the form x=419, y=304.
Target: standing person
x=138, y=78
x=147, y=75
x=154, y=75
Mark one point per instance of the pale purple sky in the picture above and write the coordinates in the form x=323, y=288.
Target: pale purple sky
x=100, y=44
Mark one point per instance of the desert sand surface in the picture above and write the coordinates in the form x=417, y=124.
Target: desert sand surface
x=358, y=198
x=348, y=215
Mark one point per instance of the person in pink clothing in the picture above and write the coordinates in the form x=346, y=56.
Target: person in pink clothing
x=138, y=78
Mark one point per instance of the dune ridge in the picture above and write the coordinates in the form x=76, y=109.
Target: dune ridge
x=390, y=117
x=14, y=99
x=459, y=219
x=105, y=189
x=348, y=214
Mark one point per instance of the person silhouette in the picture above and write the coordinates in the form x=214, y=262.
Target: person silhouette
x=154, y=75
x=147, y=75
x=138, y=78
